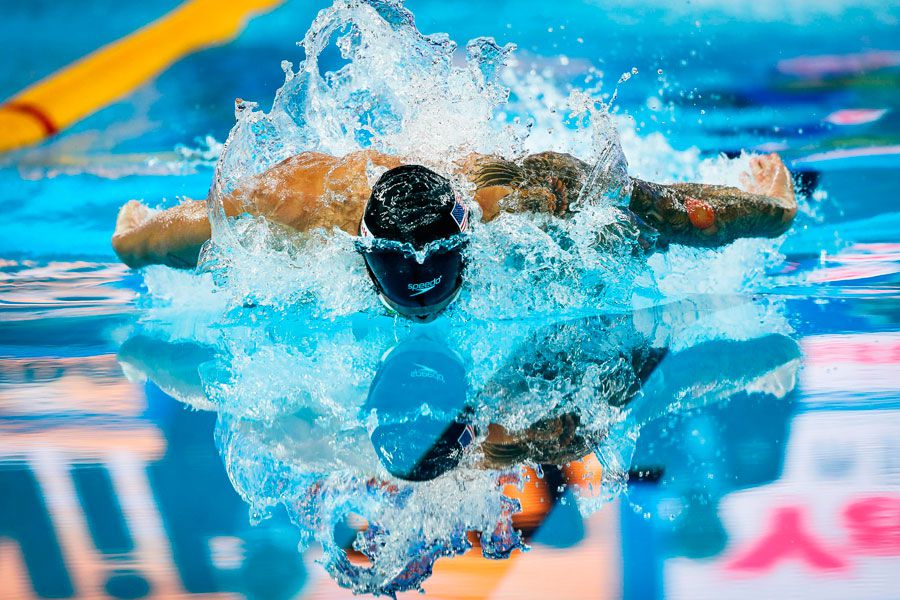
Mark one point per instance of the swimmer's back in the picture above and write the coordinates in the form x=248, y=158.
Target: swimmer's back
x=312, y=190
x=315, y=190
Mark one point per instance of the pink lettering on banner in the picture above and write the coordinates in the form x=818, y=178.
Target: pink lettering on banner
x=787, y=540
x=874, y=525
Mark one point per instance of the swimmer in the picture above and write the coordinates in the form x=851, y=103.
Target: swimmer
x=412, y=204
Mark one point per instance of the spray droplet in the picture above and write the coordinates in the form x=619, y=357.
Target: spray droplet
x=628, y=75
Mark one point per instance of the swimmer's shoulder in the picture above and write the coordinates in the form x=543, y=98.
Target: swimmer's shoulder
x=308, y=161
x=376, y=158
x=545, y=182
x=305, y=170
x=487, y=194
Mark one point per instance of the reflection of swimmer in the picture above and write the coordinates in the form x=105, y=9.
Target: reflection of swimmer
x=414, y=205
x=580, y=368
x=418, y=396
x=425, y=423
x=551, y=402
x=442, y=437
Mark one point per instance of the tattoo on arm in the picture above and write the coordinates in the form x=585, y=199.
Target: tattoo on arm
x=708, y=215
x=546, y=182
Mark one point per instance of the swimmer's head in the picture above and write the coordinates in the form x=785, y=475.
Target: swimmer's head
x=419, y=399
x=416, y=206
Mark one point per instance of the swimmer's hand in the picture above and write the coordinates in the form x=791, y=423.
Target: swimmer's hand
x=769, y=177
x=132, y=216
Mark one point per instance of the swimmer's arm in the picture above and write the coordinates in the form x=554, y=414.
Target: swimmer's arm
x=546, y=182
x=174, y=237
x=171, y=237
x=293, y=193
x=710, y=215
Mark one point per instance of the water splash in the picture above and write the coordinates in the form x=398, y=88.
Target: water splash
x=398, y=91
x=408, y=94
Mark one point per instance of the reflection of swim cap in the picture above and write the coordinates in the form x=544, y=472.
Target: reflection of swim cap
x=419, y=395
x=414, y=205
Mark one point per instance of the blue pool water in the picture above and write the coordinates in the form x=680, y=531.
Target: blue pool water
x=162, y=437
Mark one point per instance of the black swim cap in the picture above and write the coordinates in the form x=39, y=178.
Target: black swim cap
x=416, y=206
x=419, y=397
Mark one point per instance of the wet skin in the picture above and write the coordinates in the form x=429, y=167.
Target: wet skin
x=314, y=190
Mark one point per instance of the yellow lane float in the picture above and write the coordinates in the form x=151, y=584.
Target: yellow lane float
x=113, y=71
